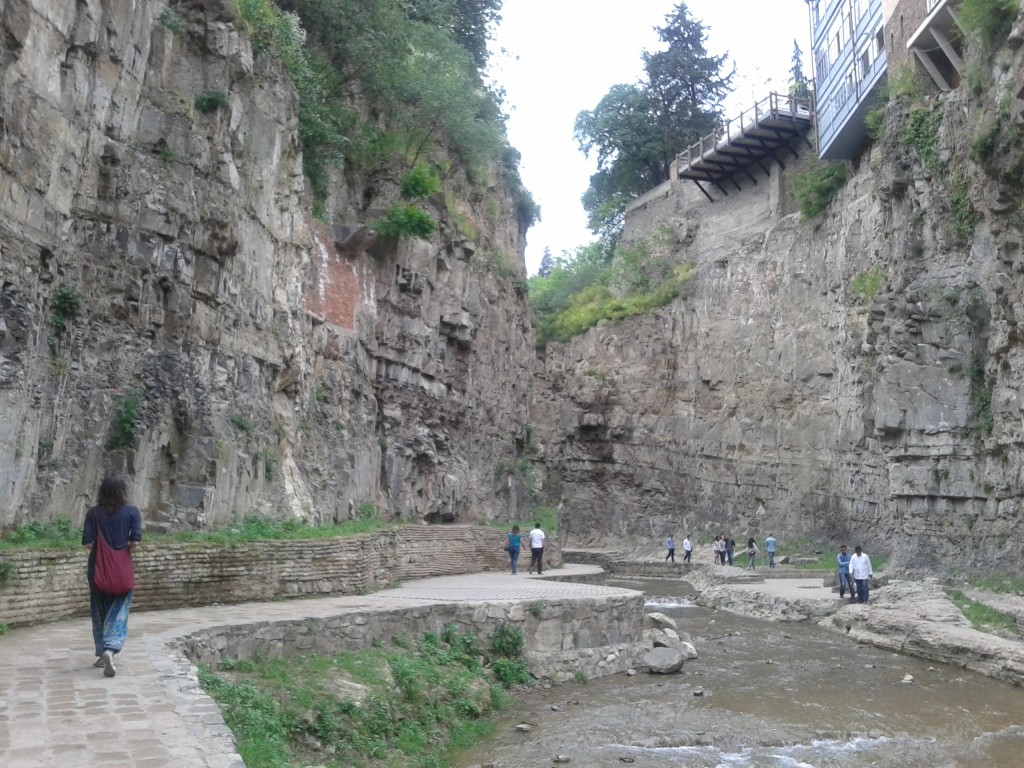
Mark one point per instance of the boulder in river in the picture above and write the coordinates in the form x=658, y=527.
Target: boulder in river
x=664, y=661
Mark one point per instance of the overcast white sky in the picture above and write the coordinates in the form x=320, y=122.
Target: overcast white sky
x=564, y=55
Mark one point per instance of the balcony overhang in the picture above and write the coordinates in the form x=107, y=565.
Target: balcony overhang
x=935, y=43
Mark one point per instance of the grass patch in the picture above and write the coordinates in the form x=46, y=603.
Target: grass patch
x=405, y=221
x=867, y=284
x=983, y=618
x=124, y=428
x=816, y=187
x=66, y=303
x=1007, y=585
x=255, y=528
x=964, y=217
x=60, y=534
x=988, y=21
x=211, y=101
x=420, y=700
x=921, y=134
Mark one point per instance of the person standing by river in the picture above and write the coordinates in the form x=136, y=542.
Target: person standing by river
x=845, y=582
x=537, y=549
x=730, y=547
x=687, y=548
x=513, y=545
x=769, y=546
x=860, y=570
x=670, y=545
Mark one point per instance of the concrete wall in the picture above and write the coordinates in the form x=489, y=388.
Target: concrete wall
x=47, y=585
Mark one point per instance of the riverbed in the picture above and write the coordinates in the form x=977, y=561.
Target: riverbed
x=765, y=694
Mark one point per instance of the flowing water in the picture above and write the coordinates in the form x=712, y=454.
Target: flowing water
x=766, y=695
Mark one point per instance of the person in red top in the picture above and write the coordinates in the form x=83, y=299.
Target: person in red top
x=121, y=526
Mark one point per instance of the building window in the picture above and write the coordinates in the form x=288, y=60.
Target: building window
x=865, y=63
x=879, y=43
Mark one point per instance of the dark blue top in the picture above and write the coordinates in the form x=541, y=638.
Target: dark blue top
x=123, y=526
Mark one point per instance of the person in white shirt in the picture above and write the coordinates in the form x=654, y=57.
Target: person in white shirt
x=687, y=549
x=860, y=572
x=537, y=549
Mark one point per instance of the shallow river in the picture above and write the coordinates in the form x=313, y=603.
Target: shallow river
x=773, y=695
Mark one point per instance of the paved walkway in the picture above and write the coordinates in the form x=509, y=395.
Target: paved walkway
x=57, y=711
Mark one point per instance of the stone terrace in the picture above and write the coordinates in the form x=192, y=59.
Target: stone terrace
x=57, y=710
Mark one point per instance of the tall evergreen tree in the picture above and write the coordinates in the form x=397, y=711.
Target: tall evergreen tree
x=637, y=130
x=547, y=263
x=798, y=85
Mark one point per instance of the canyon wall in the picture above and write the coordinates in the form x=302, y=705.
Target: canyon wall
x=170, y=308
x=855, y=375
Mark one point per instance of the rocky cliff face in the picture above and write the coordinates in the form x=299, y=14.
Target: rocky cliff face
x=168, y=306
x=857, y=375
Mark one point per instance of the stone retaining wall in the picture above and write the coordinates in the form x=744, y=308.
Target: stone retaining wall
x=595, y=635
x=46, y=585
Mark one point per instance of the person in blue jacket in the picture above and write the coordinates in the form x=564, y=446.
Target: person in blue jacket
x=843, y=559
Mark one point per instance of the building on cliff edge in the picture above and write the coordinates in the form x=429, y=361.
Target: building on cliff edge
x=857, y=42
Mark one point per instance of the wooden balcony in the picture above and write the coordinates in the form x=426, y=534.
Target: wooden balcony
x=760, y=135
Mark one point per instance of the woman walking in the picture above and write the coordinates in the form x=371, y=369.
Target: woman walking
x=751, y=553
x=119, y=525
x=514, y=545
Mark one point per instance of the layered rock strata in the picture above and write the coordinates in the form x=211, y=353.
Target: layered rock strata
x=855, y=376
x=169, y=308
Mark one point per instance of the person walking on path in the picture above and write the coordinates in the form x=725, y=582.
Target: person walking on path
x=670, y=545
x=120, y=525
x=687, y=549
x=730, y=547
x=769, y=546
x=860, y=570
x=537, y=549
x=718, y=548
x=751, y=553
x=845, y=582
x=513, y=545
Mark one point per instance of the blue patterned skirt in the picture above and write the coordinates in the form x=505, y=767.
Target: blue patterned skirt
x=109, y=619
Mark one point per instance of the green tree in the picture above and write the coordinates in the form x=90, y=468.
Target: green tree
x=636, y=130
x=798, y=85
x=547, y=263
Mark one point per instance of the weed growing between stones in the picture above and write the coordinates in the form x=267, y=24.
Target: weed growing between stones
x=242, y=422
x=123, y=435
x=6, y=572
x=415, y=702
x=65, y=303
x=211, y=101
x=3, y=628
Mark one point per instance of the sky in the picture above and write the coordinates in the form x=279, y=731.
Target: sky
x=562, y=56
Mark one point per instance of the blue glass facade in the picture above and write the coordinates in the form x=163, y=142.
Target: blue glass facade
x=849, y=66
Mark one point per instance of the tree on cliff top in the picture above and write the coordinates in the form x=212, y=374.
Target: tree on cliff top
x=636, y=130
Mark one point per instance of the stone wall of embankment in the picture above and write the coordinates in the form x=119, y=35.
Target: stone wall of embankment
x=38, y=586
x=593, y=635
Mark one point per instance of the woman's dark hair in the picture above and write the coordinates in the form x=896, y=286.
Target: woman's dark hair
x=750, y=541
x=515, y=529
x=113, y=493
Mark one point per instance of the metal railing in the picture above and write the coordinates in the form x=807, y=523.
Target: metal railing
x=775, y=106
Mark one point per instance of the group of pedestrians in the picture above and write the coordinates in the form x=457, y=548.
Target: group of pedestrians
x=854, y=572
x=724, y=550
x=514, y=544
x=670, y=545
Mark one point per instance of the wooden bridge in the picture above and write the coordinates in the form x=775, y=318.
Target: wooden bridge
x=756, y=137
